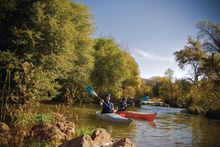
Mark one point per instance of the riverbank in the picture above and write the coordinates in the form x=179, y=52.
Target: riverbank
x=171, y=126
x=56, y=130
x=62, y=135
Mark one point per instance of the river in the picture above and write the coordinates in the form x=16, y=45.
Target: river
x=171, y=128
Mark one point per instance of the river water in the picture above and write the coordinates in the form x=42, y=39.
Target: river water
x=171, y=128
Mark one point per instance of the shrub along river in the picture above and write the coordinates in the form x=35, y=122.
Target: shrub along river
x=170, y=128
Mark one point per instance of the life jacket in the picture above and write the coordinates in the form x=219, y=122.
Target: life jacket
x=122, y=106
x=106, y=109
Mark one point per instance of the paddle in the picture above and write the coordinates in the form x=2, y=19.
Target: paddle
x=92, y=92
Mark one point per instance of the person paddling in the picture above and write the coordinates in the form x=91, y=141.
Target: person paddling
x=107, y=106
x=122, y=106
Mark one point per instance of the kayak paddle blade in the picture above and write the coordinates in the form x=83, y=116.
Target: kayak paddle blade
x=90, y=90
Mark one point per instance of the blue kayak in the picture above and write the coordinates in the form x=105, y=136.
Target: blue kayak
x=113, y=117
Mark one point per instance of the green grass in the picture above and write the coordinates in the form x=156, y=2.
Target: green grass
x=83, y=130
x=29, y=118
x=43, y=118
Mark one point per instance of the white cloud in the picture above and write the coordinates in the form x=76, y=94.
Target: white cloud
x=154, y=64
x=140, y=54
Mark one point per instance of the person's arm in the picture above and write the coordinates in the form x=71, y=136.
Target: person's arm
x=112, y=106
x=101, y=102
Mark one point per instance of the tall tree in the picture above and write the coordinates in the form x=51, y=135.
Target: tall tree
x=210, y=34
x=191, y=56
x=203, y=55
x=133, y=80
x=110, y=67
x=52, y=35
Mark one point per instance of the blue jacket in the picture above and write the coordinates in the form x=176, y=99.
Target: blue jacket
x=106, y=109
x=122, y=106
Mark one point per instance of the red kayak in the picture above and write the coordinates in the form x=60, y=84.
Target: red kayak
x=138, y=115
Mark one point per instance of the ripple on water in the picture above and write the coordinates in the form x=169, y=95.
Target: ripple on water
x=171, y=128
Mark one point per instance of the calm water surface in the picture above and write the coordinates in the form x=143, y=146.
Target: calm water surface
x=171, y=128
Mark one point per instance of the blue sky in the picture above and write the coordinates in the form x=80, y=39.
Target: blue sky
x=151, y=30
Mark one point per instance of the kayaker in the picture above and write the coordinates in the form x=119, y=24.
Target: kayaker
x=122, y=106
x=107, y=106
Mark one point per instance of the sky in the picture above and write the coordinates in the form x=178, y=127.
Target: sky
x=152, y=30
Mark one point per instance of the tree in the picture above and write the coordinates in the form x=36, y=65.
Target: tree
x=144, y=89
x=53, y=36
x=191, y=55
x=82, y=62
x=169, y=73
x=204, y=58
x=110, y=67
x=211, y=66
x=181, y=89
x=155, y=84
x=210, y=34
x=132, y=81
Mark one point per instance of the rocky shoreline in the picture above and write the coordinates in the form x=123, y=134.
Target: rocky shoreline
x=63, y=132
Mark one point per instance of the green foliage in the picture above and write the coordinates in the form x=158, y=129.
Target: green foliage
x=211, y=66
x=131, y=84
x=43, y=118
x=181, y=90
x=144, y=89
x=206, y=95
x=50, y=50
x=156, y=90
x=44, y=144
x=27, y=119
x=83, y=130
x=191, y=56
x=54, y=37
x=82, y=65
x=25, y=82
x=110, y=67
x=46, y=50
x=18, y=78
x=204, y=58
x=167, y=92
x=172, y=92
